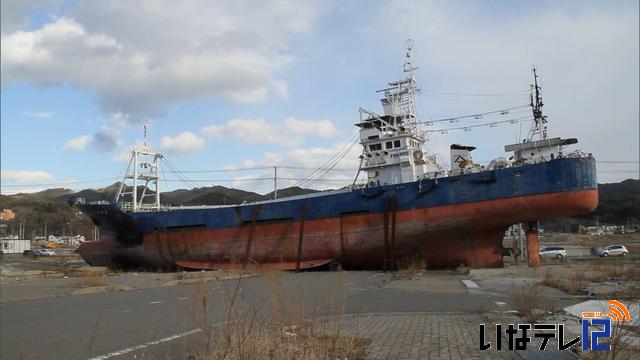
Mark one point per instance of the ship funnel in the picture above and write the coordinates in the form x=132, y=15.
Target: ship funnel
x=461, y=157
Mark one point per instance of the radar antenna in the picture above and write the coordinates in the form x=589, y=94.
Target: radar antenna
x=539, y=120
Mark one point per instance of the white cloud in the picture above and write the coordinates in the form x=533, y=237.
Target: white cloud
x=184, y=143
x=122, y=156
x=78, y=143
x=304, y=161
x=39, y=114
x=101, y=141
x=125, y=154
x=26, y=176
x=106, y=140
x=281, y=88
x=142, y=57
x=289, y=133
x=12, y=12
x=119, y=119
x=586, y=54
x=214, y=131
x=14, y=190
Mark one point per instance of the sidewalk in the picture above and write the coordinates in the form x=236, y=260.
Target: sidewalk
x=437, y=336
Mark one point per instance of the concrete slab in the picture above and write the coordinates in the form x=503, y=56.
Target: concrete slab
x=603, y=307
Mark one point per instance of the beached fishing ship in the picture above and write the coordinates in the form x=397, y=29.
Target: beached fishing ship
x=409, y=207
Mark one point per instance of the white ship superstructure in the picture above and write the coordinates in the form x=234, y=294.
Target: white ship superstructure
x=392, y=144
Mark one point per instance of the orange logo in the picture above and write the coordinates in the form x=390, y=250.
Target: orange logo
x=618, y=312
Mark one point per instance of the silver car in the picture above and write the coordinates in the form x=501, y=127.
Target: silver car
x=613, y=250
x=44, y=252
x=553, y=252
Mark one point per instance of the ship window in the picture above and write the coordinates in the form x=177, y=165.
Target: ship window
x=396, y=143
x=389, y=145
x=374, y=147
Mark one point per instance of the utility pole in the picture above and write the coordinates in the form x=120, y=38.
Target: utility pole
x=23, y=228
x=45, y=231
x=275, y=182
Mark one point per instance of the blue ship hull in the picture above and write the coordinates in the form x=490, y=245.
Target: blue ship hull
x=465, y=214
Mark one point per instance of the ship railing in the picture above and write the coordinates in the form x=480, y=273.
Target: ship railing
x=128, y=207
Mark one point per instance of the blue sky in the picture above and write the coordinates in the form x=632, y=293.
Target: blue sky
x=247, y=83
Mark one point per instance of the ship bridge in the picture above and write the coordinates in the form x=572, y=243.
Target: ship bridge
x=392, y=146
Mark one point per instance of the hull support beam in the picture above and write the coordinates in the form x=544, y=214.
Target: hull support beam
x=533, y=245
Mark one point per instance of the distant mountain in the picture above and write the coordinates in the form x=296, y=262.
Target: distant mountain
x=292, y=191
x=56, y=193
x=619, y=204
x=51, y=206
x=216, y=195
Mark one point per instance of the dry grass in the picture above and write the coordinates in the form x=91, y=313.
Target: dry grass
x=86, y=271
x=256, y=340
x=463, y=269
x=529, y=299
x=279, y=329
x=90, y=282
x=618, y=349
x=409, y=267
x=578, y=279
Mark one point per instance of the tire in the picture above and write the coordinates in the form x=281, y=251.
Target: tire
x=605, y=254
x=624, y=253
x=559, y=256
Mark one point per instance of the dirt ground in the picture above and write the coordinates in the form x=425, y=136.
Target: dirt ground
x=27, y=278
x=67, y=274
x=535, y=294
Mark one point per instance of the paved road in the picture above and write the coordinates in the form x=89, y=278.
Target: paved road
x=161, y=321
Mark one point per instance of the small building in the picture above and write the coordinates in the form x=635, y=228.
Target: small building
x=67, y=239
x=13, y=245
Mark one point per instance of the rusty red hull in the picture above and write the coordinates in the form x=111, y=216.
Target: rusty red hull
x=450, y=235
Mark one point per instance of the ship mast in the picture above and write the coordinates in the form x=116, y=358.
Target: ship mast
x=144, y=165
x=404, y=95
x=538, y=127
x=391, y=142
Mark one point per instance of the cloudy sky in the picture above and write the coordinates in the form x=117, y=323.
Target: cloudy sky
x=229, y=85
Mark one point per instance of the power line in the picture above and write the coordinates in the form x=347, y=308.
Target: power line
x=63, y=183
x=476, y=116
x=258, y=168
x=510, y=93
x=490, y=124
x=259, y=179
x=329, y=164
x=495, y=100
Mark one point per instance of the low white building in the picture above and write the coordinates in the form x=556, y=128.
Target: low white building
x=13, y=245
x=67, y=240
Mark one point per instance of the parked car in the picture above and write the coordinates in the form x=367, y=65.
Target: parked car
x=612, y=250
x=28, y=253
x=553, y=252
x=44, y=252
